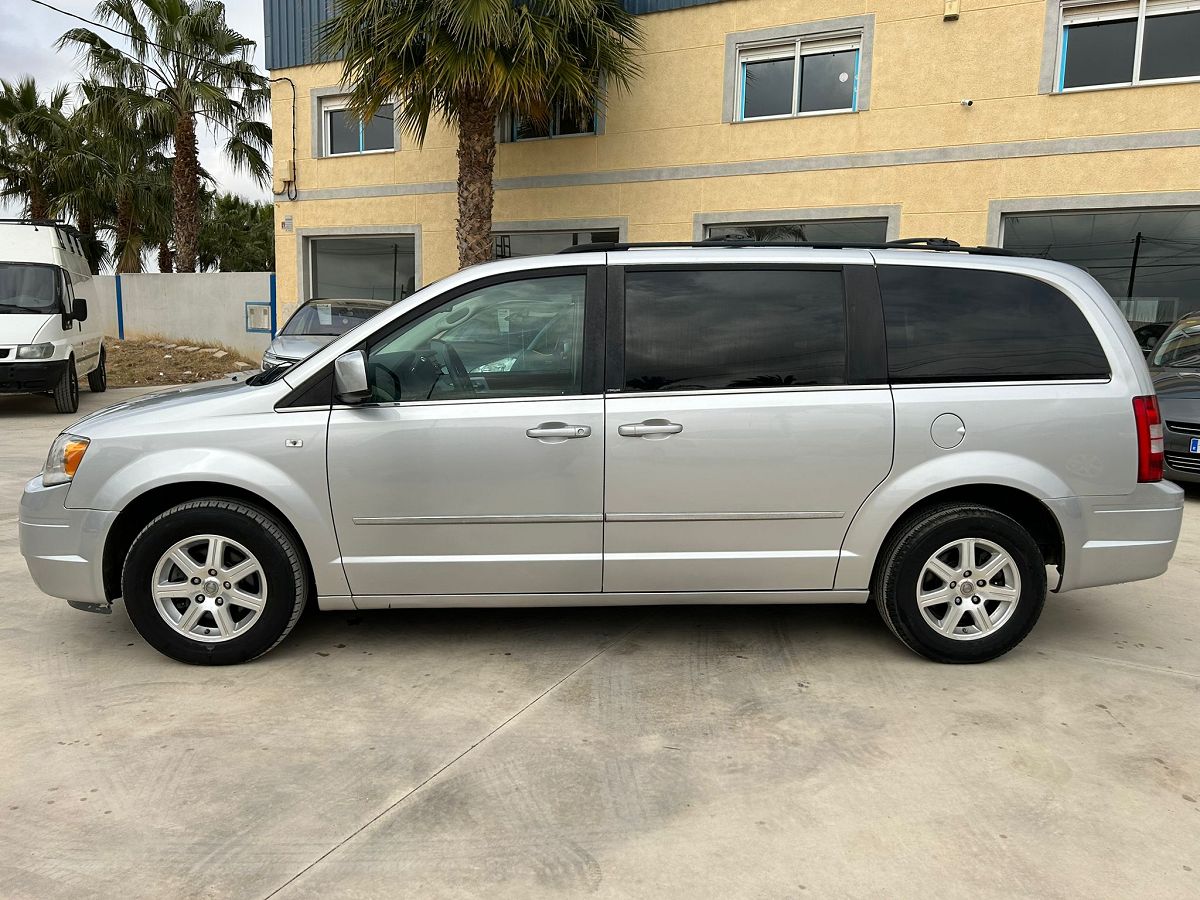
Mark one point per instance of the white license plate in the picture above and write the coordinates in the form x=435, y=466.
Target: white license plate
x=1195, y=445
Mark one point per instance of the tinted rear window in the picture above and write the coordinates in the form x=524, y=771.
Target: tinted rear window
x=972, y=325
x=733, y=328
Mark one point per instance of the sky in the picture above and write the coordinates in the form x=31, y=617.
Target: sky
x=27, y=36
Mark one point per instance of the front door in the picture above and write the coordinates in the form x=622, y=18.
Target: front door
x=738, y=447
x=477, y=466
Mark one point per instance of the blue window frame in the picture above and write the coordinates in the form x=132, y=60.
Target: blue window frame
x=810, y=76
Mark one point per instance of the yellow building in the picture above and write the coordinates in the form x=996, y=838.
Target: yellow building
x=1065, y=128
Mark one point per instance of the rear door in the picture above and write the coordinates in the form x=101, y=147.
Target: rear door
x=747, y=417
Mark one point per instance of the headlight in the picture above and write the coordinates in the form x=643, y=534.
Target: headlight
x=270, y=360
x=66, y=453
x=35, y=351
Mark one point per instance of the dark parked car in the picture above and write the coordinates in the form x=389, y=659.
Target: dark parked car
x=1148, y=335
x=1175, y=365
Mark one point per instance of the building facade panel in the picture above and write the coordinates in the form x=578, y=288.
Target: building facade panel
x=674, y=157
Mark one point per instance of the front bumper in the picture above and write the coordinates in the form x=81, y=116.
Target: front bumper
x=1113, y=540
x=63, y=548
x=1181, y=463
x=31, y=377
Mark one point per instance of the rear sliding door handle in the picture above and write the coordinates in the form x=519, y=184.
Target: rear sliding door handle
x=649, y=428
x=558, y=431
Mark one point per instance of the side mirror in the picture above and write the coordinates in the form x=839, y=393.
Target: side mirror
x=79, y=310
x=350, y=377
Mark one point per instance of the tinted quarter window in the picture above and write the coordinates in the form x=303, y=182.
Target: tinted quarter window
x=1099, y=53
x=733, y=328
x=969, y=325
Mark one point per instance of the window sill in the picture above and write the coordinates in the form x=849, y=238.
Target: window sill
x=1156, y=82
x=358, y=153
x=803, y=115
x=550, y=137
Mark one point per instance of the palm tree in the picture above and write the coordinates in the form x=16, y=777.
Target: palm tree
x=237, y=235
x=185, y=67
x=114, y=173
x=469, y=62
x=31, y=136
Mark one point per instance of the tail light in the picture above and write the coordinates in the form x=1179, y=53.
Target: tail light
x=1149, y=438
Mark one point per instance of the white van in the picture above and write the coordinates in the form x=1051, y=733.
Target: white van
x=45, y=341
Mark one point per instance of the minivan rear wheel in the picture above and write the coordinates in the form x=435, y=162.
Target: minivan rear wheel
x=961, y=584
x=214, y=582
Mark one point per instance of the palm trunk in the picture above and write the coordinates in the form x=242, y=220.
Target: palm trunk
x=129, y=257
x=39, y=206
x=166, y=260
x=476, y=165
x=185, y=184
x=87, y=232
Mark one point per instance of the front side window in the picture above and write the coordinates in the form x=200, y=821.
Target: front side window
x=514, y=339
x=963, y=325
x=717, y=329
x=30, y=288
x=801, y=77
x=346, y=134
x=1124, y=43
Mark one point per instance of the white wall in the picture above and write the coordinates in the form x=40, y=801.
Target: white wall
x=200, y=308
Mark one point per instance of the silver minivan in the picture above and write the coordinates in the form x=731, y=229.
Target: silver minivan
x=948, y=432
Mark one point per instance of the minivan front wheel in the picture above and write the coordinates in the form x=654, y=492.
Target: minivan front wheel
x=214, y=582
x=961, y=584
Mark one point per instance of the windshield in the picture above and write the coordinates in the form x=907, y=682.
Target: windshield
x=330, y=319
x=1181, y=347
x=28, y=288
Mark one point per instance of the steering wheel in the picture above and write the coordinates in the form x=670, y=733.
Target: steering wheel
x=460, y=378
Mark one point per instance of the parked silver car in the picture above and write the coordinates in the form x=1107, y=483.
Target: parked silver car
x=314, y=325
x=948, y=434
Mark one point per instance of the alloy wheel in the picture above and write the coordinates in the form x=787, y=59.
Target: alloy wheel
x=209, y=588
x=968, y=589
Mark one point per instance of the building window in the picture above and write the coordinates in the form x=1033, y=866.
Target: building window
x=506, y=245
x=346, y=134
x=833, y=231
x=563, y=122
x=1147, y=259
x=376, y=268
x=1131, y=42
x=806, y=76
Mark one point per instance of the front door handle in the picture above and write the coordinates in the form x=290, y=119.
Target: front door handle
x=649, y=427
x=558, y=431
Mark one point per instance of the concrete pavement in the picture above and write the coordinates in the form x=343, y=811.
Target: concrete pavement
x=694, y=752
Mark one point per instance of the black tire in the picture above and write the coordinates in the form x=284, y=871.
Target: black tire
x=903, y=562
x=66, y=392
x=98, y=377
x=274, y=546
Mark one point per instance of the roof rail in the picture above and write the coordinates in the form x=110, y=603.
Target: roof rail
x=927, y=243
x=26, y=220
